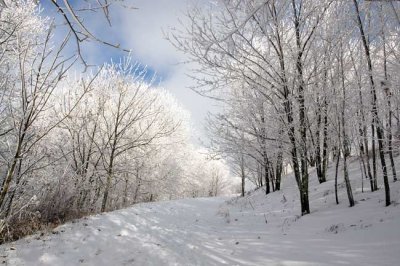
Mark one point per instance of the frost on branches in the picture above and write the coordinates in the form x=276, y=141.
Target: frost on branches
x=304, y=84
x=75, y=144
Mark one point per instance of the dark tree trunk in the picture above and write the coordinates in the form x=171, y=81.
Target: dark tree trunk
x=272, y=176
x=243, y=177
x=389, y=122
x=266, y=175
x=337, y=157
x=318, y=158
x=279, y=168
x=375, y=119
x=365, y=141
x=12, y=193
x=346, y=144
x=374, y=177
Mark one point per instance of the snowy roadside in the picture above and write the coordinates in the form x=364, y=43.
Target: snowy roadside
x=255, y=230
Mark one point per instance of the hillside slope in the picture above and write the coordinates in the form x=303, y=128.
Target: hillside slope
x=255, y=230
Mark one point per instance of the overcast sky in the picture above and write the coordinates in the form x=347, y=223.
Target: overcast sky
x=141, y=30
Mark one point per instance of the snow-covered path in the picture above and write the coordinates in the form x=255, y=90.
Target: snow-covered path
x=254, y=230
x=148, y=234
x=208, y=231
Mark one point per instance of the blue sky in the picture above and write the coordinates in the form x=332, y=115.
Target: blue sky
x=141, y=31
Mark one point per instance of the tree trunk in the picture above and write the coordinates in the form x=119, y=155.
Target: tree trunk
x=242, y=175
x=374, y=177
x=305, y=207
x=347, y=181
x=318, y=159
x=364, y=137
x=125, y=199
x=108, y=182
x=362, y=170
x=10, y=173
x=375, y=119
x=389, y=118
x=346, y=144
x=272, y=176
x=279, y=167
x=266, y=175
x=291, y=129
x=388, y=96
x=12, y=194
x=337, y=157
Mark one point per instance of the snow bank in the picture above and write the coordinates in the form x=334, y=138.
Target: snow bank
x=254, y=230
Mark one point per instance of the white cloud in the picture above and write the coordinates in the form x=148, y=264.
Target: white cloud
x=142, y=31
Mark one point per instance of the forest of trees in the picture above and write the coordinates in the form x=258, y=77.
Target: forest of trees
x=303, y=83
x=73, y=143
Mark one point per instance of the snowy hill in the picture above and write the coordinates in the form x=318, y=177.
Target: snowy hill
x=255, y=230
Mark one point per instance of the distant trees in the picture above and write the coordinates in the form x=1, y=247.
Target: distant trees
x=299, y=85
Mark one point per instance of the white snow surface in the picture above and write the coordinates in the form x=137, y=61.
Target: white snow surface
x=254, y=230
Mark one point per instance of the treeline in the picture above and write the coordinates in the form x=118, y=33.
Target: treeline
x=303, y=83
x=77, y=144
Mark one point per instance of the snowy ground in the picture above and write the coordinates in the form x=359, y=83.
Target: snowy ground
x=255, y=230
